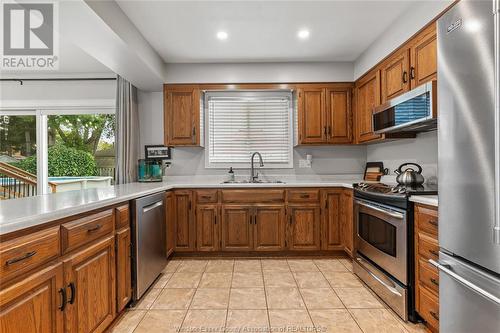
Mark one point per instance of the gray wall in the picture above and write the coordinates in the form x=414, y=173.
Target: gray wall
x=422, y=150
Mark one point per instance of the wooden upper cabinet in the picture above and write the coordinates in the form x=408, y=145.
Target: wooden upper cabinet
x=34, y=304
x=207, y=227
x=339, y=115
x=236, y=228
x=423, y=57
x=90, y=277
x=182, y=115
x=395, y=76
x=367, y=97
x=331, y=220
x=269, y=228
x=312, y=115
x=185, y=232
x=304, y=228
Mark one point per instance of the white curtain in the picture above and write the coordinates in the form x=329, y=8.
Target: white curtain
x=127, y=132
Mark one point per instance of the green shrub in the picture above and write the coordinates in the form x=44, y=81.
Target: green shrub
x=64, y=161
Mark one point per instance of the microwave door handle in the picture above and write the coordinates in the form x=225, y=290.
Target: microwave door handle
x=386, y=212
x=496, y=19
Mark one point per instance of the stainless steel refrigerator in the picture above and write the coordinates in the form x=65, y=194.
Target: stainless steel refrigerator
x=469, y=168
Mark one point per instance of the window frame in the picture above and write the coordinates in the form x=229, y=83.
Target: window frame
x=248, y=93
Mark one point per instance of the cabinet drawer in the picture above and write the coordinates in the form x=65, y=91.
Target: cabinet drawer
x=122, y=217
x=206, y=196
x=253, y=196
x=428, y=276
x=428, y=247
x=27, y=252
x=303, y=195
x=429, y=307
x=427, y=220
x=86, y=229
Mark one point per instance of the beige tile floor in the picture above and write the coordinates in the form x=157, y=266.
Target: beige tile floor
x=261, y=295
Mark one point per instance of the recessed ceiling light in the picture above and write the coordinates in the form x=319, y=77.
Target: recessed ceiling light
x=303, y=34
x=222, y=35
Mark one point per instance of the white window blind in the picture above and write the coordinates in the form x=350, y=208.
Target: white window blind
x=241, y=123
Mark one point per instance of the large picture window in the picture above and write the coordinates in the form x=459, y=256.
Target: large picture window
x=56, y=148
x=241, y=123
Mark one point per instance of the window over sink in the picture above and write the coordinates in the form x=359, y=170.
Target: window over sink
x=239, y=123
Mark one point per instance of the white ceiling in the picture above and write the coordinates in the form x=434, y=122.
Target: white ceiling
x=261, y=31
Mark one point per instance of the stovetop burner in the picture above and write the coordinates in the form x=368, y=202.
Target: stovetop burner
x=395, y=190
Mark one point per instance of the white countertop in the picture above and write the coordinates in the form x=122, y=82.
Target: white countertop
x=431, y=200
x=17, y=214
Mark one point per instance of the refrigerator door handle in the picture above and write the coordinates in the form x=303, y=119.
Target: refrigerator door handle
x=446, y=269
x=496, y=43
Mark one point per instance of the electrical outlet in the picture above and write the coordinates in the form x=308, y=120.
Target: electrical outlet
x=304, y=164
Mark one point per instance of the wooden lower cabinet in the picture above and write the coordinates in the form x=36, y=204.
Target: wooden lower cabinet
x=185, y=231
x=207, y=228
x=89, y=277
x=269, y=228
x=170, y=222
x=347, y=221
x=304, y=227
x=331, y=232
x=236, y=225
x=123, y=271
x=34, y=303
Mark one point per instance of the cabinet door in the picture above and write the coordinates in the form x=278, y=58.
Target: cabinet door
x=331, y=220
x=338, y=106
x=207, y=233
x=269, y=228
x=423, y=57
x=367, y=97
x=170, y=221
x=237, y=228
x=395, y=76
x=347, y=222
x=304, y=227
x=90, y=277
x=123, y=273
x=34, y=304
x=185, y=232
x=312, y=115
x=182, y=110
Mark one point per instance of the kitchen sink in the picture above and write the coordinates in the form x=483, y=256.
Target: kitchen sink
x=246, y=181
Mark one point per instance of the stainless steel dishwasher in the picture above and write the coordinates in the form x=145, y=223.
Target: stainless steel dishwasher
x=148, y=242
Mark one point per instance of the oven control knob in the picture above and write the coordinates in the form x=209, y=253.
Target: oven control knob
x=395, y=189
x=402, y=190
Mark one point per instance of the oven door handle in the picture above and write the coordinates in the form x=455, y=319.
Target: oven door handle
x=387, y=212
x=365, y=267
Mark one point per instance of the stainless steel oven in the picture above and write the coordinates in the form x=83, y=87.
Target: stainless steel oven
x=381, y=236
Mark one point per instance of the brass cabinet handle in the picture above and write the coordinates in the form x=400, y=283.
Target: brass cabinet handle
x=23, y=257
x=194, y=131
x=325, y=130
x=329, y=130
x=405, y=77
x=215, y=219
x=304, y=196
x=73, y=293
x=434, y=314
x=62, y=291
x=97, y=227
x=434, y=281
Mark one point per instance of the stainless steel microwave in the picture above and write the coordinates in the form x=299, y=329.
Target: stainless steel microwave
x=414, y=111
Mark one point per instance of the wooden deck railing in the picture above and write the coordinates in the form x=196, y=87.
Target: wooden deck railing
x=17, y=183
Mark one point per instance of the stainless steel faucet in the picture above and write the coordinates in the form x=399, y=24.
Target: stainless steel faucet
x=253, y=176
